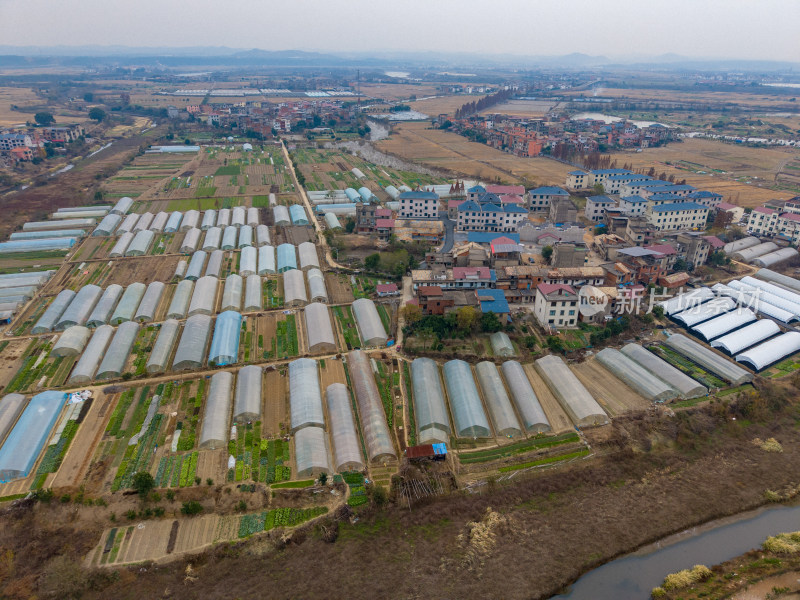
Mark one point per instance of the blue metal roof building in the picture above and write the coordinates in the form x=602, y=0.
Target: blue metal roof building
x=493, y=301
x=486, y=237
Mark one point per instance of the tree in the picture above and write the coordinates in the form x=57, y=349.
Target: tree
x=372, y=261
x=555, y=344
x=350, y=226
x=411, y=313
x=466, y=318
x=734, y=233
x=44, y=118
x=547, y=252
x=680, y=265
x=97, y=114
x=323, y=478
x=490, y=322
x=447, y=124
x=143, y=483
x=192, y=507
x=88, y=97
x=599, y=189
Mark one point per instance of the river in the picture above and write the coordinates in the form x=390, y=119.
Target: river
x=633, y=576
x=612, y=119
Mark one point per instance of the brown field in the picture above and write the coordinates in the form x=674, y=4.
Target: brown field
x=146, y=269
x=523, y=108
x=276, y=417
x=397, y=91
x=340, y=291
x=332, y=372
x=742, y=98
x=614, y=396
x=444, y=150
x=559, y=420
x=17, y=96
x=442, y=104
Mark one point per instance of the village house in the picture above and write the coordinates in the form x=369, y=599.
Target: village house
x=556, y=306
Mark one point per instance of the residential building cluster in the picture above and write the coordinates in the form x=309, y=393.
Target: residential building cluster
x=21, y=145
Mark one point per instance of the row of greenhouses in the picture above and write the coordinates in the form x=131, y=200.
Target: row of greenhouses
x=16, y=289
x=293, y=215
x=115, y=223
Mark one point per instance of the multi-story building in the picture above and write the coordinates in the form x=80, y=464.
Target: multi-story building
x=540, y=199
x=15, y=140
x=632, y=205
x=612, y=184
x=578, y=180
x=765, y=221
x=473, y=216
x=678, y=215
x=418, y=205
x=709, y=199
x=737, y=212
x=556, y=306
x=596, y=207
x=563, y=210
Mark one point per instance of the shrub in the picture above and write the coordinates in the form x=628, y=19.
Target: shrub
x=192, y=507
x=783, y=543
x=687, y=577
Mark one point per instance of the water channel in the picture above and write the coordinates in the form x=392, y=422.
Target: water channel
x=632, y=576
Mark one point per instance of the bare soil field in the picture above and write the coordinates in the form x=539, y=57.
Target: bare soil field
x=612, y=394
x=693, y=154
x=332, y=372
x=522, y=108
x=146, y=269
x=11, y=360
x=340, y=291
x=442, y=104
x=559, y=420
x=397, y=91
x=276, y=417
x=445, y=150
x=742, y=98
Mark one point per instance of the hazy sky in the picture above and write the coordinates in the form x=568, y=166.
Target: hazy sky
x=754, y=29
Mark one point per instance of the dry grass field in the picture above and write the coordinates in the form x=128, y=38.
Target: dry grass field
x=442, y=104
x=559, y=420
x=444, y=150
x=397, y=91
x=17, y=96
x=614, y=396
x=522, y=108
x=741, y=98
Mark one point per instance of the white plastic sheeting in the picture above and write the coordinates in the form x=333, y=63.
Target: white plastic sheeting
x=245, y=236
x=294, y=288
x=704, y=312
x=574, y=398
x=214, y=266
x=332, y=221
x=238, y=216
x=768, y=296
x=80, y=307
x=180, y=269
x=501, y=344
x=740, y=339
x=105, y=306
x=298, y=215
x=316, y=285
x=530, y=409
x=213, y=239
x=158, y=361
x=344, y=437
x=308, y=256
x=287, y=258
x=217, y=413
x=637, y=377
x=191, y=219
x=377, y=437
x=468, y=415
x=741, y=244
x=773, y=289
x=686, y=300
x=430, y=410
x=150, y=301
x=369, y=323
x=305, y=401
x=128, y=303
x=708, y=359
x=159, y=222
x=86, y=367
x=72, y=341
x=748, y=254
x=106, y=227
x=209, y=219
x=204, y=297
x=253, y=297
x=789, y=283
x=685, y=385
x=262, y=235
x=140, y=244
x=319, y=332
x=113, y=363
x=252, y=216
x=191, y=240
x=128, y=223
x=266, y=260
x=248, y=261
x=724, y=323
x=774, y=258
x=11, y=406
x=280, y=214
x=247, y=403
x=191, y=352
x=224, y=217
x=311, y=452
x=179, y=305
x=229, y=235
x=174, y=222
x=232, y=293
x=53, y=313
x=122, y=206
x=771, y=351
x=497, y=401
x=749, y=300
x=144, y=222
x=121, y=245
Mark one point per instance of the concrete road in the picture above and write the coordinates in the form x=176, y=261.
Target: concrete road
x=449, y=229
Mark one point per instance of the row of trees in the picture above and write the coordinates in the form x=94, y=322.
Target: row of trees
x=457, y=324
x=471, y=108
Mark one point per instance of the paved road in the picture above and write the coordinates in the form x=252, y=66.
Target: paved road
x=449, y=228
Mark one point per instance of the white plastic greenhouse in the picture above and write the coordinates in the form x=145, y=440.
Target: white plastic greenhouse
x=741, y=244
x=311, y=452
x=748, y=254
x=248, y=261
x=497, y=401
x=225, y=343
x=238, y=216
x=107, y=226
x=316, y=285
x=262, y=235
x=635, y=376
x=252, y=216
x=179, y=305
x=191, y=351
x=370, y=326
x=319, y=332
x=86, y=367
x=685, y=301
x=121, y=245
x=53, y=313
x=501, y=344
x=80, y=307
x=253, y=297
x=159, y=222
x=72, y=341
x=191, y=220
x=528, y=406
x=247, y=403
x=708, y=359
x=294, y=288
x=162, y=349
x=122, y=206
x=113, y=363
x=217, y=413
x=128, y=303
x=771, y=351
x=774, y=258
x=738, y=340
x=62, y=224
x=287, y=258
x=377, y=437
x=144, y=222
x=789, y=283
x=308, y=256
x=213, y=239
x=128, y=223
x=141, y=243
x=332, y=221
x=468, y=414
x=574, y=398
x=657, y=367
x=150, y=301
x=266, y=260
x=224, y=218
x=724, y=323
x=298, y=215
x=214, y=266
x=105, y=306
x=344, y=437
x=11, y=406
x=229, y=235
x=173, y=222
x=204, y=297
x=28, y=436
x=305, y=400
x=191, y=240
x=280, y=214
x=430, y=411
x=180, y=269
x=232, y=293
x=708, y=310
x=245, y=236
x=209, y=219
